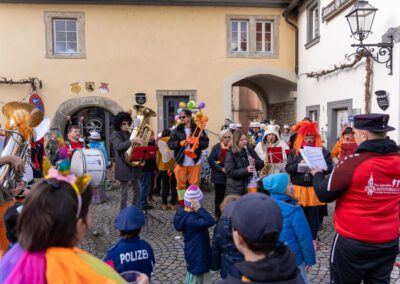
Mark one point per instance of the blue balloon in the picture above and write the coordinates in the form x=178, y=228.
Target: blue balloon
x=178, y=111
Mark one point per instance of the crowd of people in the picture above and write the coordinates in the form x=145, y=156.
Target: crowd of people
x=266, y=235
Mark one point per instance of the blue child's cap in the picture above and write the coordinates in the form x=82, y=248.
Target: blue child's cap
x=129, y=219
x=276, y=183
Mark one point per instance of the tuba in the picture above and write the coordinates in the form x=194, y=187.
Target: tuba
x=140, y=129
x=20, y=119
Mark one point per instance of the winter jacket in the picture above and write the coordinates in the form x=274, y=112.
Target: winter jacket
x=295, y=232
x=279, y=268
x=223, y=249
x=261, y=150
x=217, y=176
x=303, y=179
x=366, y=187
x=197, y=249
x=121, y=143
x=178, y=135
x=236, y=171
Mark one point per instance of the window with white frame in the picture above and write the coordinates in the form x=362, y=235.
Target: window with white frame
x=264, y=36
x=312, y=25
x=65, y=34
x=239, y=36
x=252, y=36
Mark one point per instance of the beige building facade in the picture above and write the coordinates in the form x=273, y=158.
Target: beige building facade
x=179, y=51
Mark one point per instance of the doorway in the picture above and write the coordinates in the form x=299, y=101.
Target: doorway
x=94, y=119
x=338, y=117
x=171, y=105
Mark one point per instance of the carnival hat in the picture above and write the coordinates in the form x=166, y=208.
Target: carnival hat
x=129, y=219
x=373, y=122
x=94, y=135
x=255, y=215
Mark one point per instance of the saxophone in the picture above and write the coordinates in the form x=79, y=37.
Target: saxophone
x=140, y=129
x=20, y=119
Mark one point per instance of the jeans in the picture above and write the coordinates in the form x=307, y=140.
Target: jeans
x=145, y=183
x=168, y=184
x=135, y=189
x=303, y=273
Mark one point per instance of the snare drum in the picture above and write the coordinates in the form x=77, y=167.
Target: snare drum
x=89, y=162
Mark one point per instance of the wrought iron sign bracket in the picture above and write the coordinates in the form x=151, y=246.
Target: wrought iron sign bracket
x=33, y=81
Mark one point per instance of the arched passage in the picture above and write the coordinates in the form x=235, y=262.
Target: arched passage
x=275, y=88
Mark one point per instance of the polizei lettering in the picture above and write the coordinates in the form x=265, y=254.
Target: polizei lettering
x=133, y=256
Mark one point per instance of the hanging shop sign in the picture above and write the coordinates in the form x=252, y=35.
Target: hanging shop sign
x=382, y=98
x=37, y=101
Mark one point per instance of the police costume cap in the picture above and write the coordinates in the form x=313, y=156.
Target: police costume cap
x=373, y=122
x=129, y=219
x=255, y=215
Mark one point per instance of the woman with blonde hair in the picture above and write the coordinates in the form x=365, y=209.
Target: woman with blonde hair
x=218, y=173
x=240, y=164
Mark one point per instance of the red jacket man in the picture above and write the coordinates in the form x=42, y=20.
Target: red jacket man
x=366, y=187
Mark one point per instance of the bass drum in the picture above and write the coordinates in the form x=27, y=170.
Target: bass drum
x=89, y=162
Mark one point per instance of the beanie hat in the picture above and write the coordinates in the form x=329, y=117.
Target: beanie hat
x=193, y=192
x=276, y=184
x=272, y=129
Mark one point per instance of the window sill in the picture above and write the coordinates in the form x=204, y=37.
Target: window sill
x=312, y=42
x=66, y=56
x=252, y=55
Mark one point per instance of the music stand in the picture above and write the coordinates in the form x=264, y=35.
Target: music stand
x=147, y=215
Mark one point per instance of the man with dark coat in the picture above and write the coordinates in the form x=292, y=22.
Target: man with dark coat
x=123, y=171
x=366, y=187
x=187, y=169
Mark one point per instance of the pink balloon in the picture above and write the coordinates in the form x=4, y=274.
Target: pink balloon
x=177, y=117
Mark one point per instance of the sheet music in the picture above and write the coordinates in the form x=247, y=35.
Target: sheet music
x=313, y=157
x=42, y=129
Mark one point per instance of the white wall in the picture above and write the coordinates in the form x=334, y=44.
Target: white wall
x=334, y=43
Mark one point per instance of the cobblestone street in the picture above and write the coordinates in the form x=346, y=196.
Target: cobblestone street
x=168, y=243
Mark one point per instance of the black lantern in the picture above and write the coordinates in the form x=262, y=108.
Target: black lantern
x=361, y=18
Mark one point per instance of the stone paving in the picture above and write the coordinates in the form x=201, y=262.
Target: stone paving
x=168, y=243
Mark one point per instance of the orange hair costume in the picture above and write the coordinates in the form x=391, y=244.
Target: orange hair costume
x=304, y=128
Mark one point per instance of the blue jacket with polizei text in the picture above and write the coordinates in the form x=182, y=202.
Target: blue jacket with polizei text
x=131, y=254
x=194, y=226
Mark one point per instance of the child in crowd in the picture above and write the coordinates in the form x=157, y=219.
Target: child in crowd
x=295, y=233
x=257, y=222
x=130, y=253
x=223, y=250
x=193, y=221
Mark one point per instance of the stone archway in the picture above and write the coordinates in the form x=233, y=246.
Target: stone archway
x=68, y=107
x=244, y=74
x=273, y=86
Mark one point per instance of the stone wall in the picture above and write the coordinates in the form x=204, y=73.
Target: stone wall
x=282, y=113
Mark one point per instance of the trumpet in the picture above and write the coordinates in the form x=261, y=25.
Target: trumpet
x=195, y=137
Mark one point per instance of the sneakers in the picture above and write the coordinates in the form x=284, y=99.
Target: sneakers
x=164, y=207
x=174, y=207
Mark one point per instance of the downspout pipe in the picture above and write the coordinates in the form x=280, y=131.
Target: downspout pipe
x=291, y=9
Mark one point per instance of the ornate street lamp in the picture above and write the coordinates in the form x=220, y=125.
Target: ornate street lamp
x=360, y=19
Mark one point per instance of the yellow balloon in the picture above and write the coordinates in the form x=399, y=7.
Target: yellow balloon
x=182, y=105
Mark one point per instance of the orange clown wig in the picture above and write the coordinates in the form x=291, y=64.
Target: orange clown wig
x=303, y=129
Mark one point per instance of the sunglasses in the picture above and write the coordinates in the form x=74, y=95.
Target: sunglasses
x=183, y=117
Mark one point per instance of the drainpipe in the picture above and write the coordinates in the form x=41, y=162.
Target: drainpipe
x=296, y=40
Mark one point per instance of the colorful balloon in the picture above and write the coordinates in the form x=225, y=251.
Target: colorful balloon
x=201, y=105
x=182, y=105
x=178, y=111
x=177, y=117
x=191, y=104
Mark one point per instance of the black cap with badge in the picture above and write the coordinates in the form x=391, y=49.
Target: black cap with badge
x=373, y=122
